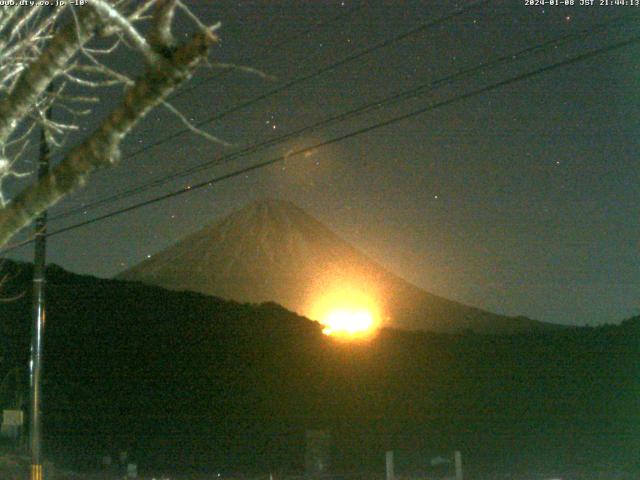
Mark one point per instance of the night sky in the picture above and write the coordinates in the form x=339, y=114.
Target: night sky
x=522, y=200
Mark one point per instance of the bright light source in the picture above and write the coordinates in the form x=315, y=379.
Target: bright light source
x=345, y=311
x=347, y=322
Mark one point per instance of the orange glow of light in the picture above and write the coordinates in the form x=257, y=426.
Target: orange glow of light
x=347, y=322
x=346, y=312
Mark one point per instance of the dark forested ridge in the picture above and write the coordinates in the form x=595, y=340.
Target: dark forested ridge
x=191, y=380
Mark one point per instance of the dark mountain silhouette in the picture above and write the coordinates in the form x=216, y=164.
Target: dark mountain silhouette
x=272, y=250
x=184, y=380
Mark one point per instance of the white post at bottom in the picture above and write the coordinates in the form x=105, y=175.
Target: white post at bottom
x=458, y=461
x=389, y=464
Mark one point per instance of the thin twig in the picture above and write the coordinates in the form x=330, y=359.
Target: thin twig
x=192, y=127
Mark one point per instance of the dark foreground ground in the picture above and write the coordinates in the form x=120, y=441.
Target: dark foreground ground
x=16, y=467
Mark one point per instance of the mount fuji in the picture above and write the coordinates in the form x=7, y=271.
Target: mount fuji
x=273, y=251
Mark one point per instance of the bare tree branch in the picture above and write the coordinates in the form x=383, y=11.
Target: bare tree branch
x=109, y=14
x=160, y=34
x=35, y=51
x=35, y=79
x=187, y=123
x=101, y=149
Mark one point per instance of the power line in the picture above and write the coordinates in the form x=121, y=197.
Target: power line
x=284, y=41
x=361, y=131
x=322, y=70
x=316, y=73
x=392, y=99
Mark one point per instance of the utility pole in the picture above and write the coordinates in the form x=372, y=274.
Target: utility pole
x=39, y=315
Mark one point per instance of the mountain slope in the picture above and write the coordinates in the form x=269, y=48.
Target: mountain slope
x=273, y=251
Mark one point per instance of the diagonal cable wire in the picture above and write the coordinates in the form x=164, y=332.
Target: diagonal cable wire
x=355, y=133
x=316, y=73
x=368, y=107
x=263, y=52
